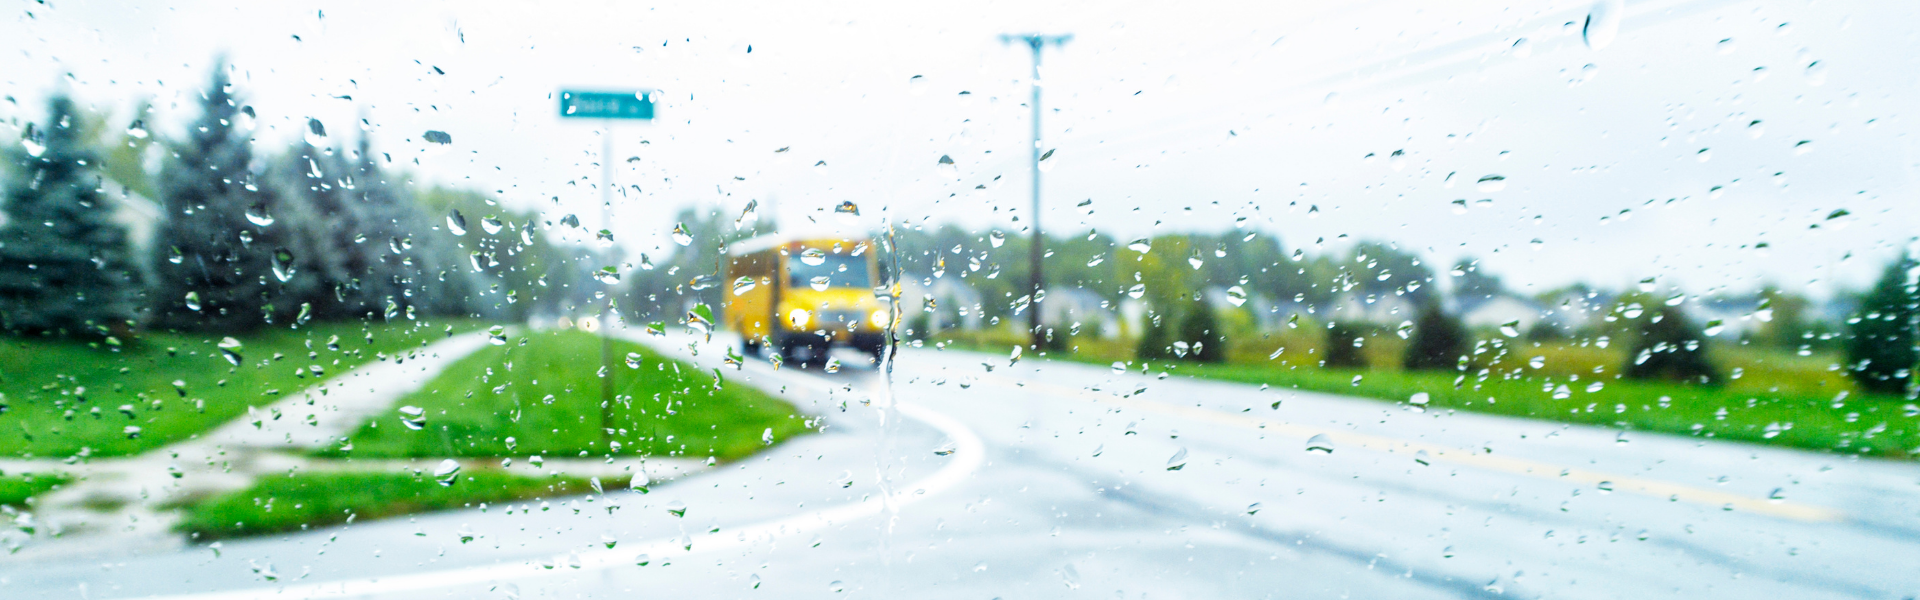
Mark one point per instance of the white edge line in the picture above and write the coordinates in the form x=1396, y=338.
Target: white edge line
x=969, y=454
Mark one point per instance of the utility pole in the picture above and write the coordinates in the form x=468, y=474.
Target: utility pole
x=606, y=310
x=1037, y=326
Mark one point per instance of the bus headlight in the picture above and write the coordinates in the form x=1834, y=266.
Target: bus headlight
x=799, y=318
x=879, y=318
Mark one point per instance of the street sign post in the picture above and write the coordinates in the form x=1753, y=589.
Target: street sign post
x=637, y=104
x=607, y=106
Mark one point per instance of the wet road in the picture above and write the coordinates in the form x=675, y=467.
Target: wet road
x=1040, y=480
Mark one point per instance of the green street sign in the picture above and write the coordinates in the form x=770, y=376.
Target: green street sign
x=606, y=105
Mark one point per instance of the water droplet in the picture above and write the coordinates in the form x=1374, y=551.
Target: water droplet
x=1142, y=245
x=414, y=417
x=1756, y=129
x=258, y=214
x=1714, y=327
x=1178, y=461
x=1196, y=262
x=639, y=482
x=1725, y=47
x=946, y=167
x=497, y=335
x=766, y=437
x=437, y=137
x=447, y=472
x=1320, y=442
x=1491, y=184
x=137, y=129
x=1603, y=23
x=1397, y=160
x=820, y=167
x=833, y=365
x=571, y=220
x=1703, y=155
x=1816, y=73
x=1420, y=456
x=677, y=508
x=996, y=238
x=1137, y=290
x=1777, y=496
x=1510, y=328
x=819, y=283
x=1802, y=147
x=491, y=224
x=743, y=285
x=633, y=360
x=1522, y=48
x=608, y=275
x=283, y=266
x=917, y=85
x=847, y=208
x=1236, y=295
x=456, y=222
x=813, y=257
x=1537, y=362
x=193, y=301
x=1605, y=487
x=1119, y=367
x=316, y=134
x=230, y=348
x=1419, y=399
x=680, y=235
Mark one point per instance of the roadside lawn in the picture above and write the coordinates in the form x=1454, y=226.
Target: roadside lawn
x=16, y=489
x=1775, y=397
x=540, y=395
x=64, y=398
x=281, y=503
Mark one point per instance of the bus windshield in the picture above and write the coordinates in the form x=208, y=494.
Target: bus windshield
x=840, y=271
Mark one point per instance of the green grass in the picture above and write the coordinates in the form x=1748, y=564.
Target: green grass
x=16, y=489
x=69, y=397
x=542, y=390
x=1779, y=398
x=292, y=503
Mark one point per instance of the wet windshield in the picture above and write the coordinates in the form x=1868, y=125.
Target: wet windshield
x=866, y=299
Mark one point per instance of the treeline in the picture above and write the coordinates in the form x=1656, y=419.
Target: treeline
x=243, y=241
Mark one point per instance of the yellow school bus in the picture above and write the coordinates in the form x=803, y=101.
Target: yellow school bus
x=803, y=294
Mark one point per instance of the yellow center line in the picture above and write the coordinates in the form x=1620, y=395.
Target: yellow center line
x=1461, y=456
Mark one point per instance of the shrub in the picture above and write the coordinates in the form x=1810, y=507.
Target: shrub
x=1439, y=341
x=1201, y=331
x=1669, y=346
x=1342, y=350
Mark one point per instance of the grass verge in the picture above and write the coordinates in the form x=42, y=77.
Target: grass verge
x=1779, y=398
x=279, y=504
x=16, y=489
x=65, y=398
x=540, y=395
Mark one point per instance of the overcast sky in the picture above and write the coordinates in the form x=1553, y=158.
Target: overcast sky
x=1623, y=159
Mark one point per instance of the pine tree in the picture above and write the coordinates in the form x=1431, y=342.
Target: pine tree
x=1670, y=346
x=1201, y=331
x=1880, y=351
x=220, y=264
x=1340, y=351
x=1439, y=341
x=65, y=263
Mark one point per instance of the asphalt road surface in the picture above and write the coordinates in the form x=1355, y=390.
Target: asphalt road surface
x=1047, y=479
